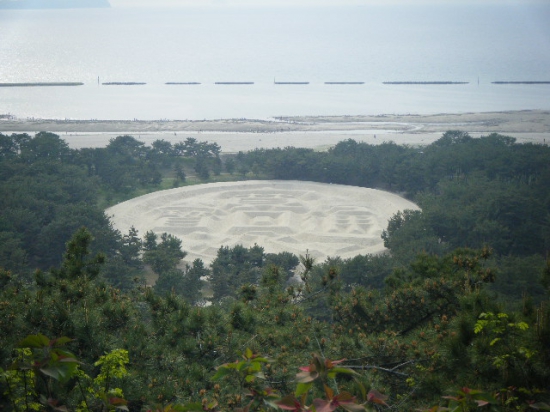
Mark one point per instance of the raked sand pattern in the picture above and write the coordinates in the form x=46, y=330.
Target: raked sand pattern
x=294, y=216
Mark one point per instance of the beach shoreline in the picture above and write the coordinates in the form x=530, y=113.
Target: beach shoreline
x=233, y=135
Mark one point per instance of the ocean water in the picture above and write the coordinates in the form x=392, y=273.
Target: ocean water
x=370, y=44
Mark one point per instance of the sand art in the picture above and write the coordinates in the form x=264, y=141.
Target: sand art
x=323, y=219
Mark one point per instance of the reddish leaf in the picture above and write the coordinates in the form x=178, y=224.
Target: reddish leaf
x=305, y=377
x=324, y=406
x=329, y=392
x=70, y=360
x=117, y=401
x=345, y=397
x=310, y=368
x=54, y=402
x=353, y=407
x=289, y=403
x=376, y=397
x=330, y=364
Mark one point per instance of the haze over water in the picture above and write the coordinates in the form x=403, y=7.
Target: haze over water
x=370, y=44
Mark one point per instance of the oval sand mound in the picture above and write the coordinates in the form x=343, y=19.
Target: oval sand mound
x=293, y=216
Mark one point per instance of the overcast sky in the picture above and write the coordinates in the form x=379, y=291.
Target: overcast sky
x=179, y=3
x=256, y=3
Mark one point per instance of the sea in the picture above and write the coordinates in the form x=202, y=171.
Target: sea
x=472, y=42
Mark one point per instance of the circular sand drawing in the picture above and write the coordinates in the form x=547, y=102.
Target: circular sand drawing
x=325, y=220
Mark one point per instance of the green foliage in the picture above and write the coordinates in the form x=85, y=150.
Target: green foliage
x=164, y=256
x=50, y=358
x=75, y=263
x=187, y=283
x=519, y=278
x=502, y=335
x=247, y=370
x=234, y=267
x=473, y=192
x=43, y=371
x=545, y=278
x=40, y=366
x=503, y=213
x=250, y=377
x=194, y=281
x=467, y=399
x=201, y=169
x=416, y=324
x=124, y=268
x=180, y=173
x=230, y=165
x=19, y=386
x=285, y=261
x=416, y=336
x=323, y=372
x=51, y=196
x=44, y=146
x=408, y=234
x=112, y=366
x=100, y=391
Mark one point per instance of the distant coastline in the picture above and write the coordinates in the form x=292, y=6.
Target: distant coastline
x=52, y=4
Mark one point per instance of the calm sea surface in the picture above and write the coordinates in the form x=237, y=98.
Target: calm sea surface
x=370, y=44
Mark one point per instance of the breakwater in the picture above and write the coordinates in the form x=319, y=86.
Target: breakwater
x=522, y=82
x=40, y=84
x=421, y=83
x=53, y=4
x=429, y=82
x=344, y=82
x=123, y=83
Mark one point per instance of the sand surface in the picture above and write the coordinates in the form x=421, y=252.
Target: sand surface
x=321, y=219
x=235, y=135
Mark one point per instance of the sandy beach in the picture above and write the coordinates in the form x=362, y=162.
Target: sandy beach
x=233, y=135
x=299, y=217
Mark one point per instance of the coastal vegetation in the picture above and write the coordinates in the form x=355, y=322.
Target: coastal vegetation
x=454, y=316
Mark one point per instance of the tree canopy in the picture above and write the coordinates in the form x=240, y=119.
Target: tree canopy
x=454, y=316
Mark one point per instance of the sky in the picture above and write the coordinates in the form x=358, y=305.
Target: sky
x=257, y=3
x=180, y=3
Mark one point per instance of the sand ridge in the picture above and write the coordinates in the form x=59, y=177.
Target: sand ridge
x=317, y=132
x=324, y=219
x=520, y=121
